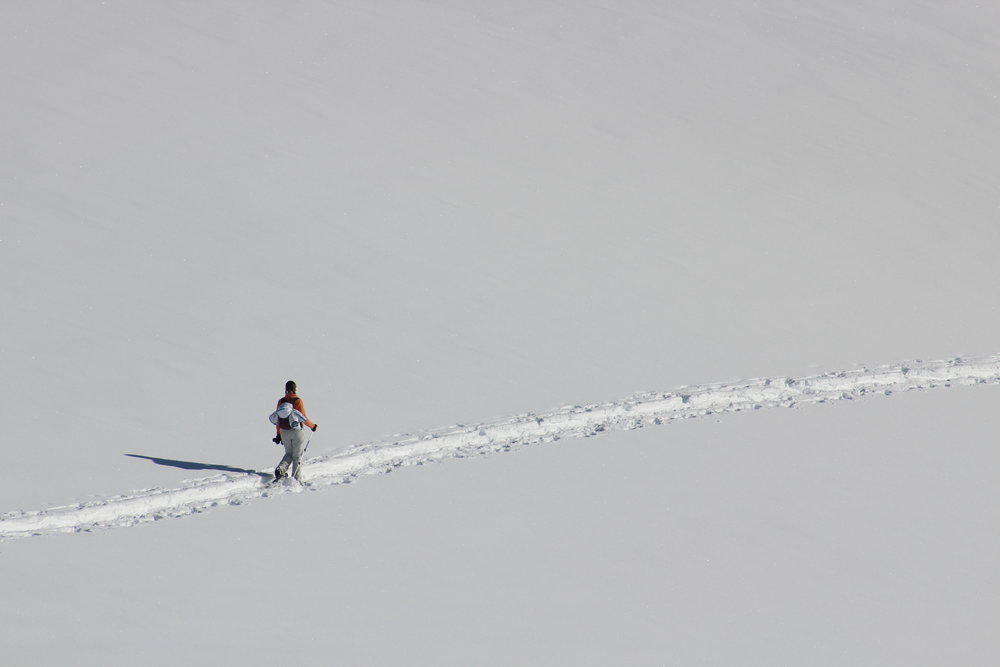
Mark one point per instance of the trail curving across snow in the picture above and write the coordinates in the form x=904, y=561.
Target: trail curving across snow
x=202, y=494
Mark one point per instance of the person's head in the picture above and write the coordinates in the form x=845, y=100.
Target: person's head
x=290, y=387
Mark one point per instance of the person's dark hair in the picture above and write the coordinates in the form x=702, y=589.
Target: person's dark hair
x=290, y=387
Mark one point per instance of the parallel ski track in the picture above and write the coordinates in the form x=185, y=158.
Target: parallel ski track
x=199, y=495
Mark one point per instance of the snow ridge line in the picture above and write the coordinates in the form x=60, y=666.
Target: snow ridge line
x=641, y=410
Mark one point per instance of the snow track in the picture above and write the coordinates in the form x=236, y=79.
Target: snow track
x=642, y=410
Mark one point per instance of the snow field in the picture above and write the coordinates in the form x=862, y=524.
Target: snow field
x=452, y=211
x=577, y=421
x=860, y=533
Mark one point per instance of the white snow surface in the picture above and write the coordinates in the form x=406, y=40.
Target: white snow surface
x=445, y=212
x=237, y=487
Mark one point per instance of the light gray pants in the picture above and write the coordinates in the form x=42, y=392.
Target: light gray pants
x=295, y=443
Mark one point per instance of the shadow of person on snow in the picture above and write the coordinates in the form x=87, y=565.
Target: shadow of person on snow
x=191, y=465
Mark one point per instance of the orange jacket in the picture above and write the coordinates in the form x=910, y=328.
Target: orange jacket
x=297, y=404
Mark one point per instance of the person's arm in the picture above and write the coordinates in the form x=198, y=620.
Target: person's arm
x=301, y=407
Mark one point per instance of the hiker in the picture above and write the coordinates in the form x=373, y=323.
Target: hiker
x=294, y=429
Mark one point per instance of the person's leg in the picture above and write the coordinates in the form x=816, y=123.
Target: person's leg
x=298, y=447
x=287, y=441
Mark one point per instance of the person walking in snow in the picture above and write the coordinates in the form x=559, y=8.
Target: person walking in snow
x=294, y=430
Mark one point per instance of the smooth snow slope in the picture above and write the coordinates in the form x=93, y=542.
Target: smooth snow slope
x=432, y=213
x=435, y=213
x=853, y=533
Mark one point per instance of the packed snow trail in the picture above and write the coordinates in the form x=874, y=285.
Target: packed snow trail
x=638, y=411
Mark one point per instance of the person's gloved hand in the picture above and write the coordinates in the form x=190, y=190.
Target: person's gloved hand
x=315, y=426
x=276, y=440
